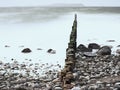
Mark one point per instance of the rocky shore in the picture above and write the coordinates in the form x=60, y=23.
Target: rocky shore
x=98, y=72
x=90, y=68
x=94, y=67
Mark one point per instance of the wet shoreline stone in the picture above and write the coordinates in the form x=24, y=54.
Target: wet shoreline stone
x=26, y=50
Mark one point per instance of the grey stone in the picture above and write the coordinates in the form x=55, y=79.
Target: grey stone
x=83, y=48
x=105, y=50
x=94, y=46
x=89, y=54
x=26, y=50
x=51, y=51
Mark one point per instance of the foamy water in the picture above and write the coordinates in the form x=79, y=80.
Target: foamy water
x=50, y=28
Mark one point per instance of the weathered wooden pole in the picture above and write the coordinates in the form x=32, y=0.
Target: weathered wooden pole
x=67, y=73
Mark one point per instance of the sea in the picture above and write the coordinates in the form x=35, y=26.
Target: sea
x=43, y=28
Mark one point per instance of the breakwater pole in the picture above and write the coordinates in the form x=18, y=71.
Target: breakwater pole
x=67, y=73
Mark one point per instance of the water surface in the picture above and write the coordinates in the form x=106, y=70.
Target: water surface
x=50, y=27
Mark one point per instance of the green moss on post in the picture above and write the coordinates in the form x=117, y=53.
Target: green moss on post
x=67, y=72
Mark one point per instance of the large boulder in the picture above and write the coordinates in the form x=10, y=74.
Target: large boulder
x=83, y=48
x=105, y=50
x=26, y=50
x=94, y=46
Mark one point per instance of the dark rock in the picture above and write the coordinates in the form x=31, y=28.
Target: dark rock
x=118, y=46
x=83, y=48
x=51, y=51
x=94, y=46
x=89, y=54
x=117, y=86
x=39, y=49
x=105, y=50
x=110, y=40
x=26, y=50
x=7, y=46
x=118, y=51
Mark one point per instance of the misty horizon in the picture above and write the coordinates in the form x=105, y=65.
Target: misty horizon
x=86, y=3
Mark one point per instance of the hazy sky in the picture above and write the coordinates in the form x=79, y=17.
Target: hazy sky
x=49, y=2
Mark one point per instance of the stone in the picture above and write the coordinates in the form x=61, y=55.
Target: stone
x=118, y=51
x=110, y=40
x=118, y=45
x=68, y=87
x=94, y=46
x=105, y=50
x=58, y=88
x=89, y=54
x=83, y=48
x=117, y=86
x=7, y=46
x=26, y=50
x=76, y=88
x=51, y=51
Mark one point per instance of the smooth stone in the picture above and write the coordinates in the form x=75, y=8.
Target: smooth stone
x=89, y=54
x=118, y=51
x=105, y=50
x=94, y=46
x=51, y=51
x=83, y=48
x=26, y=50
